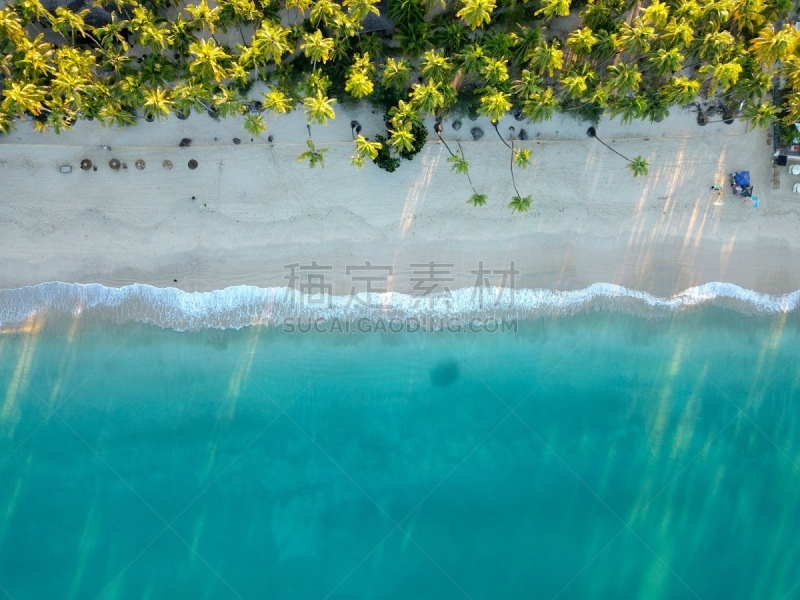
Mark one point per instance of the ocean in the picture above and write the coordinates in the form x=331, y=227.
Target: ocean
x=598, y=444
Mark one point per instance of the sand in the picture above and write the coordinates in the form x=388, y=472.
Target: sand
x=257, y=210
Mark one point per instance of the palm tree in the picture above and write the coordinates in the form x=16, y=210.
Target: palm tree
x=154, y=34
x=472, y=59
x=254, y=124
x=157, y=102
x=527, y=86
x=477, y=199
x=495, y=104
x=317, y=47
x=270, y=43
x=581, y=41
x=541, y=106
x=656, y=14
x=526, y=40
x=451, y=37
x=499, y=44
x=638, y=165
x=21, y=97
x=435, y=66
x=364, y=149
x=629, y=107
x=228, y=101
x=770, y=46
x=522, y=158
x=36, y=60
x=714, y=46
x=681, y=90
x=277, y=101
x=324, y=11
x=635, y=38
x=495, y=72
x=319, y=108
x=623, y=79
x=236, y=12
x=520, y=203
x=722, y=75
x=204, y=18
x=191, y=94
x=678, y=34
x=414, y=37
x=760, y=115
x=359, y=9
x=396, y=73
x=426, y=98
x=460, y=165
x=359, y=77
x=476, y=13
x=402, y=137
x=553, y=8
x=665, y=61
x=547, y=58
x=111, y=34
x=210, y=60
x=68, y=22
x=314, y=156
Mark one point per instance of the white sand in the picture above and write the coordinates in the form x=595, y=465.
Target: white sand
x=257, y=209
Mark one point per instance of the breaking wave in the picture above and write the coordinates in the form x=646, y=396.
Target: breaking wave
x=239, y=306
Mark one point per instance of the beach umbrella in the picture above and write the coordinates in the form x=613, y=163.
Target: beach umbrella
x=86, y=164
x=167, y=164
x=193, y=164
x=140, y=164
x=114, y=164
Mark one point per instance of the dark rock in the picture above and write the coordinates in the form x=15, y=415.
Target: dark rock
x=456, y=125
x=523, y=135
x=445, y=373
x=183, y=115
x=270, y=137
x=237, y=141
x=97, y=16
x=186, y=142
x=477, y=133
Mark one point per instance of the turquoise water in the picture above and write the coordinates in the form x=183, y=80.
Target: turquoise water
x=591, y=456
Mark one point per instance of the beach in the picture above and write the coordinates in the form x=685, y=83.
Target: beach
x=257, y=210
x=573, y=439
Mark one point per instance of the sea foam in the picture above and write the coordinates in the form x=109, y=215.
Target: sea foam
x=239, y=306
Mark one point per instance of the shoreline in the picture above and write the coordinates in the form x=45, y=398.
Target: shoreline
x=257, y=210
x=30, y=309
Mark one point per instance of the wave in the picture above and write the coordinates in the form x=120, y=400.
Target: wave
x=241, y=306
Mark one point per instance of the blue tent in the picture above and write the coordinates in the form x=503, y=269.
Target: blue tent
x=740, y=183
